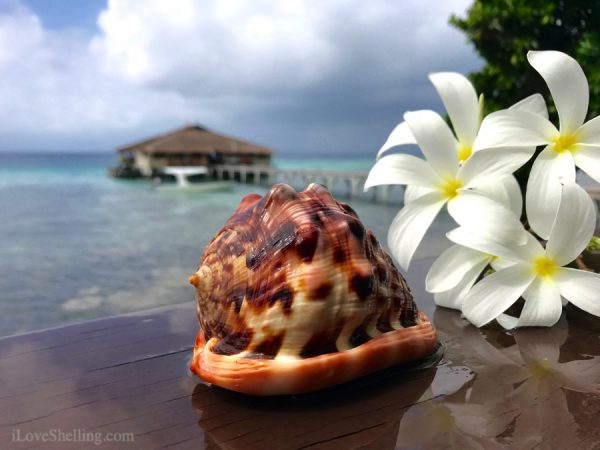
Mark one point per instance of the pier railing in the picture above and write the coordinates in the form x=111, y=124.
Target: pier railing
x=353, y=181
x=347, y=183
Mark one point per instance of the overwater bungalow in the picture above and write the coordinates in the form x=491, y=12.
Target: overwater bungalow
x=193, y=147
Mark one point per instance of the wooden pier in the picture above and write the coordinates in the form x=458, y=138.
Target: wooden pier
x=351, y=183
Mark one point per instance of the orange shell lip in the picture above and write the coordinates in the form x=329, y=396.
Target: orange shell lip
x=279, y=377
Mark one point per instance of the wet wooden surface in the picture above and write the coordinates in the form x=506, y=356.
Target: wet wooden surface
x=529, y=389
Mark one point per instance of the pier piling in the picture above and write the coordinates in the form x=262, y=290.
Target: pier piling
x=271, y=175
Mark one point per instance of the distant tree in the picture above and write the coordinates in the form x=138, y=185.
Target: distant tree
x=502, y=32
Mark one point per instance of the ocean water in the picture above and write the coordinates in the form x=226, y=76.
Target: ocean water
x=77, y=244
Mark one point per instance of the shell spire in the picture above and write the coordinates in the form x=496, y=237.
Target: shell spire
x=294, y=295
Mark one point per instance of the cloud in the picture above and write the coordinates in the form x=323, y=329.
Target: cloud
x=53, y=93
x=295, y=75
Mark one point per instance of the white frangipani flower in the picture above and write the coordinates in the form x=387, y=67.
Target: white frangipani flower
x=456, y=92
x=453, y=273
x=447, y=154
x=456, y=270
x=575, y=143
x=445, y=180
x=400, y=135
x=465, y=111
x=537, y=274
x=460, y=100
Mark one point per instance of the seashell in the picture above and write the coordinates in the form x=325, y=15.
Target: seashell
x=294, y=295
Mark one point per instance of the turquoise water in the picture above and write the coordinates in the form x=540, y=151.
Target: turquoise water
x=78, y=244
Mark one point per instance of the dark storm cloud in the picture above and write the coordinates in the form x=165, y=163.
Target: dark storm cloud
x=300, y=77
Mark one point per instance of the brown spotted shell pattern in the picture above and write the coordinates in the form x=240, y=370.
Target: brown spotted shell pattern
x=293, y=280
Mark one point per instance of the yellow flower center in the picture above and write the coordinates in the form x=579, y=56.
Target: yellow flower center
x=464, y=152
x=544, y=266
x=565, y=142
x=450, y=188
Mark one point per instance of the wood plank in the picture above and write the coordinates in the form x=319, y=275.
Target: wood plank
x=128, y=374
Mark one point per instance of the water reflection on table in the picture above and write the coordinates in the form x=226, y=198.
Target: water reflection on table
x=361, y=414
x=531, y=388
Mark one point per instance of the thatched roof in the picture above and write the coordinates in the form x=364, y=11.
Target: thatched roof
x=195, y=139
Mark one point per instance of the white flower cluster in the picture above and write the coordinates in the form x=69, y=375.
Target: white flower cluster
x=471, y=170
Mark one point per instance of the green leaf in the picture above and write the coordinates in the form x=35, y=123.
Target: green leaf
x=594, y=245
x=502, y=31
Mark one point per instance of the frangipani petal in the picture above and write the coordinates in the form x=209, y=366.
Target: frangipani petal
x=487, y=218
x=496, y=293
x=494, y=162
x=515, y=128
x=581, y=288
x=542, y=198
x=413, y=192
x=460, y=100
x=574, y=225
x=504, y=190
x=453, y=298
x=448, y=299
x=435, y=141
x=587, y=158
x=400, y=169
x=449, y=268
x=465, y=238
x=509, y=254
x=499, y=263
x=567, y=84
x=514, y=198
x=534, y=104
x=507, y=322
x=589, y=132
x=543, y=306
x=410, y=225
x=400, y=135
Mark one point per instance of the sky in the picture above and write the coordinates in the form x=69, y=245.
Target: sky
x=303, y=77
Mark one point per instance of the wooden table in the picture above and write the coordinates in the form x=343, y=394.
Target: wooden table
x=126, y=378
